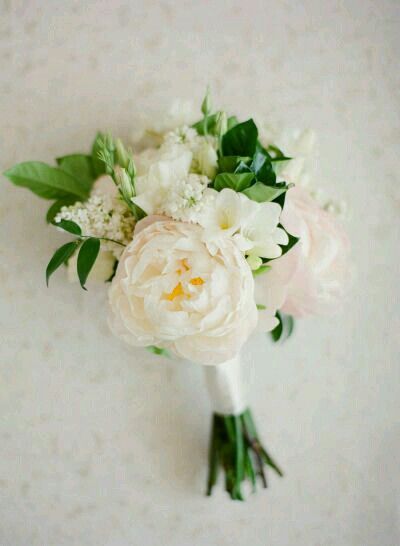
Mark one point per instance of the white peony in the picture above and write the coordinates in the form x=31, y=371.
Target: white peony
x=170, y=291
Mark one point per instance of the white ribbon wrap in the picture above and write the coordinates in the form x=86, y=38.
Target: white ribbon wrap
x=225, y=387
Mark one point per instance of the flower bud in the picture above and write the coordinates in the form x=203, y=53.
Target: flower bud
x=122, y=156
x=221, y=124
x=206, y=104
x=254, y=262
x=124, y=183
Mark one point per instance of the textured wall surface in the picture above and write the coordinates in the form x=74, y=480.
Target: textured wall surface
x=103, y=445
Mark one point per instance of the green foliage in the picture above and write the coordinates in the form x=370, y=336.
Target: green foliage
x=158, y=351
x=262, y=269
x=237, y=182
x=86, y=258
x=69, y=226
x=209, y=127
x=57, y=206
x=284, y=329
x=45, y=181
x=241, y=139
x=79, y=166
x=97, y=147
x=235, y=446
x=261, y=193
x=60, y=257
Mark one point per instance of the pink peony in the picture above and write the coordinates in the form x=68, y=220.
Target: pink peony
x=313, y=276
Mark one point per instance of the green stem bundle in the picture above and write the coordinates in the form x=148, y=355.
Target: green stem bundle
x=235, y=447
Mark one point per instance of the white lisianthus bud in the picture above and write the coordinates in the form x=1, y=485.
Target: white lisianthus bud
x=221, y=125
x=254, y=262
x=206, y=104
x=124, y=183
x=207, y=159
x=122, y=156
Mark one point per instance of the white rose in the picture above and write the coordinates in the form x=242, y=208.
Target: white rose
x=170, y=291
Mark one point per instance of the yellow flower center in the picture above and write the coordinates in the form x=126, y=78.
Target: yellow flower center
x=197, y=281
x=178, y=290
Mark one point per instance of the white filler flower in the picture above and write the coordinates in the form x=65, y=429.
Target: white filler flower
x=170, y=291
x=104, y=214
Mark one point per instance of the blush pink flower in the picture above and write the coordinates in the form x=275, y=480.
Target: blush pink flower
x=313, y=276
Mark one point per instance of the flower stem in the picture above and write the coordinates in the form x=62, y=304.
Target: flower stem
x=234, y=446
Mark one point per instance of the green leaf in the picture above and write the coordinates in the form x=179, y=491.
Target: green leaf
x=275, y=152
x=57, y=206
x=237, y=182
x=241, y=139
x=86, y=259
x=261, y=307
x=60, y=256
x=229, y=163
x=284, y=329
x=99, y=167
x=211, y=123
x=79, y=166
x=262, y=166
x=262, y=269
x=232, y=121
x=45, y=181
x=158, y=351
x=261, y=193
x=292, y=241
x=70, y=226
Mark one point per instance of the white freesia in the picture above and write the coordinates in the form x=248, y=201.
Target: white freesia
x=170, y=291
x=259, y=234
x=254, y=226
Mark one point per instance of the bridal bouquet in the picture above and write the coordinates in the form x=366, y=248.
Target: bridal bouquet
x=206, y=233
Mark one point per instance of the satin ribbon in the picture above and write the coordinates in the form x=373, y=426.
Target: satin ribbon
x=225, y=387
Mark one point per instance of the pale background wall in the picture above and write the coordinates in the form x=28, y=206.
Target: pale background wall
x=102, y=445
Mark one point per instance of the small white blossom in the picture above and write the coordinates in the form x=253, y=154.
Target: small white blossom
x=104, y=214
x=253, y=226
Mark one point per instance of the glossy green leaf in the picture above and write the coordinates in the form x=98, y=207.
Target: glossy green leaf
x=260, y=192
x=86, y=259
x=241, y=139
x=229, y=163
x=284, y=329
x=80, y=166
x=45, y=181
x=292, y=241
x=69, y=226
x=60, y=256
x=236, y=182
